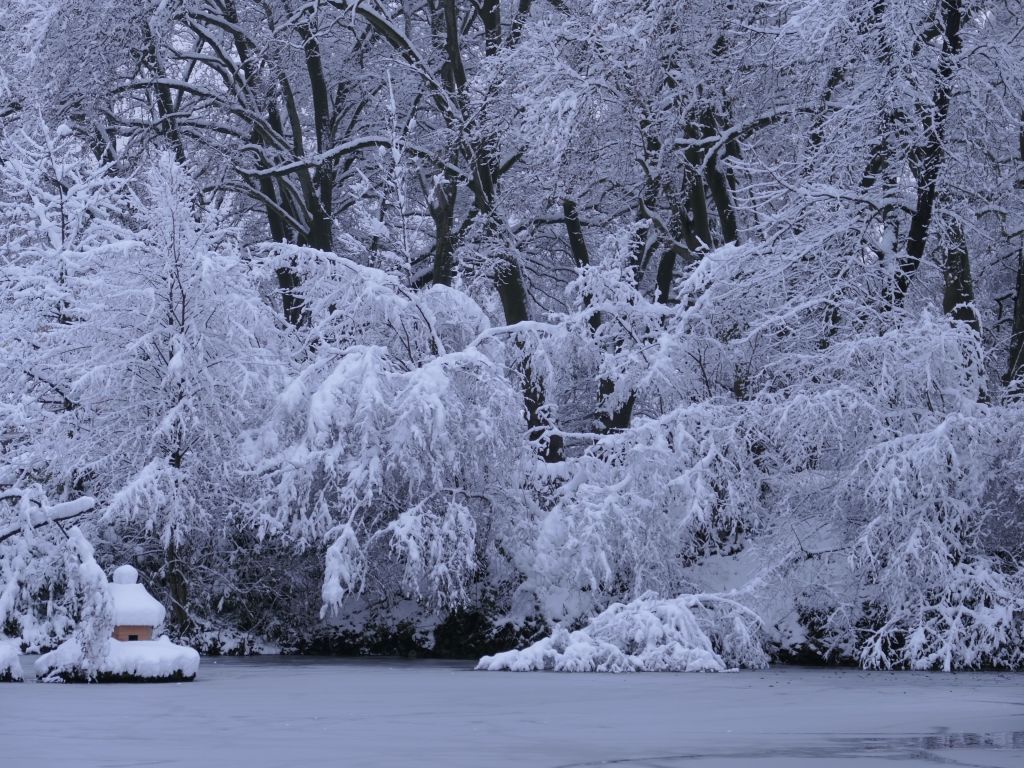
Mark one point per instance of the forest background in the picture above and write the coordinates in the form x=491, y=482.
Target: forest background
x=426, y=326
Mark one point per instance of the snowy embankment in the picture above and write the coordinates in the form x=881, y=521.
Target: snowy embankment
x=10, y=666
x=143, y=661
x=646, y=635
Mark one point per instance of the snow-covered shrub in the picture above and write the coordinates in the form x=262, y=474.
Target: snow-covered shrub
x=648, y=634
x=37, y=601
x=642, y=505
x=81, y=656
x=854, y=471
x=935, y=597
x=906, y=469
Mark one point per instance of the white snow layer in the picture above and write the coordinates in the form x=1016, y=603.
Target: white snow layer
x=125, y=574
x=646, y=635
x=10, y=666
x=134, y=606
x=147, y=659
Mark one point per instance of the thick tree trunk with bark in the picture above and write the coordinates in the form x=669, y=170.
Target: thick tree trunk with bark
x=958, y=289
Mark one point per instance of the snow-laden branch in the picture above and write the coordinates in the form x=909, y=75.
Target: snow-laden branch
x=40, y=513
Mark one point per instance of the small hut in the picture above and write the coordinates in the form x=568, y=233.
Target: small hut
x=118, y=659
x=136, y=612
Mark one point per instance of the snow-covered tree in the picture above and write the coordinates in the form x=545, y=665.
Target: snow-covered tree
x=396, y=447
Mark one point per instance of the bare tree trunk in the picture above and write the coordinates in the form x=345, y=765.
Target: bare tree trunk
x=927, y=161
x=321, y=201
x=164, y=100
x=442, y=211
x=1015, y=363
x=617, y=419
x=958, y=289
x=288, y=279
x=509, y=281
x=177, y=585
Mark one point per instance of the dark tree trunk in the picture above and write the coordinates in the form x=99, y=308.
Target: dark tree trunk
x=275, y=199
x=574, y=231
x=927, y=161
x=619, y=418
x=321, y=203
x=1015, y=363
x=442, y=211
x=177, y=585
x=700, y=224
x=958, y=288
x=164, y=100
x=643, y=240
x=509, y=281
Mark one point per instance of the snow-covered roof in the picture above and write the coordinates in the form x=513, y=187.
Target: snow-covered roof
x=133, y=605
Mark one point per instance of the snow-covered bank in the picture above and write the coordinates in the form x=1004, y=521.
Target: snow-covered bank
x=142, y=661
x=270, y=712
x=10, y=665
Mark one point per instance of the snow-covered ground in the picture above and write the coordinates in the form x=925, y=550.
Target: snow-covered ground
x=255, y=713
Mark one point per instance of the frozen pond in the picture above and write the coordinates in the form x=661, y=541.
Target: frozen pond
x=382, y=713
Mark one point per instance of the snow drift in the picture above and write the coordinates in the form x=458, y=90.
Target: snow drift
x=648, y=634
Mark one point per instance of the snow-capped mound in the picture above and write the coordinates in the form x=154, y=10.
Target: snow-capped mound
x=125, y=574
x=646, y=635
x=152, y=659
x=145, y=660
x=133, y=605
x=10, y=666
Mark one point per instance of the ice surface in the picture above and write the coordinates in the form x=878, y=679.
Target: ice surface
x=141, y=658
x=269, y=712
x=10, y=664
